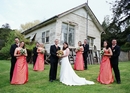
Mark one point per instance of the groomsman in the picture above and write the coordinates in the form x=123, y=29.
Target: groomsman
x=53, y=61
x=85, y=53
x=114, y=60
x=13, y=58
x=35, y=53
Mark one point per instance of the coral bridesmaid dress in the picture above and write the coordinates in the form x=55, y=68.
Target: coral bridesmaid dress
x=39, y=65
x=79, y=63
x=105, y=74
x=20, y=74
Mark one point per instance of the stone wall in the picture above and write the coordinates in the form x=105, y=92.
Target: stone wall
x=124, y=56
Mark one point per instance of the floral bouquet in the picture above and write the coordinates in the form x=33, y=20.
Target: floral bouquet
x=22, y=51
x=102, y=52
x=78, y=48
x=60, y=53
x=43, y=51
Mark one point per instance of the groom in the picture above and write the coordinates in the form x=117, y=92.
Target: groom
x=53, y=61
x=114, y=60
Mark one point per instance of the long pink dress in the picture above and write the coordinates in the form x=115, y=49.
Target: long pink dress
x=39, y=65
x=20, y=74
x=79, y=63
x=105, y=74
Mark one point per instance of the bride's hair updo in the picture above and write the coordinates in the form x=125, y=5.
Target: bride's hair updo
x=64, y=48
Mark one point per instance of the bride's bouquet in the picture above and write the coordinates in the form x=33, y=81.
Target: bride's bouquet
x=22, y=51
x=60, y=53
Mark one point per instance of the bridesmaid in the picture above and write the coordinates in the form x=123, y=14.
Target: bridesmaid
x=79, y=64
x=39, y=65
x=105, y=74
x=20, y=74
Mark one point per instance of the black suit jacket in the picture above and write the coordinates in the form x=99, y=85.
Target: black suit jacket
x=86, y=50
x=53, y=50
x=116, y=53
x=12, y=49
x=34, y=54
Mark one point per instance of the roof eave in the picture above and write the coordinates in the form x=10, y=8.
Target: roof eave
x=44, y=23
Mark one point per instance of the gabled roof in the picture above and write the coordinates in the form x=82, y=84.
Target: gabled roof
x=54, y=18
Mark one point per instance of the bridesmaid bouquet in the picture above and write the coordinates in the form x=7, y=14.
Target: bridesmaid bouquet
x=43, y=51
x=22, y=51
x=78, y=48
x=102, y=52
x=60, y=53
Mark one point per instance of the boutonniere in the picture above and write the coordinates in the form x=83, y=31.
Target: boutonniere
x=114, y=50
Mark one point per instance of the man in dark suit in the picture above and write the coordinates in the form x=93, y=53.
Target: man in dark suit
x=114, y=60
x=13, y=58
x=53, y=61
x=35, y=53
x=85, y=53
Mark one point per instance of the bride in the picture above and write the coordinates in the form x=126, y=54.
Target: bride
x=67, y=74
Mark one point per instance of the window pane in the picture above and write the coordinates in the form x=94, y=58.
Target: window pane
x=43, y=34
x=47, y=34
x=64, y=28
x=47, y=39
x=43, y=40
x=64, y=32
x=92, y=41
x=65, y=37
x=88, y=40
x=71, y=35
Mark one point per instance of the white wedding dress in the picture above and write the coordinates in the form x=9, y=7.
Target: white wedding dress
x=68, y=76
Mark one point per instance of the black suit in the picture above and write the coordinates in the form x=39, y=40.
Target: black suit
x=34, y=55
x=53, y=62
x=85, y=55
x=13, y=59
x=114, y=61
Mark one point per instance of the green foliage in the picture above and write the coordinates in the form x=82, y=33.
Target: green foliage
x=126, y=46
x=119, y=26
x=121, y=14
x=3, y=35
x=4, y=52
x=38, y=81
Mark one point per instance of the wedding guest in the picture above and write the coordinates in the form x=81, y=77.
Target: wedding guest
x=35, y=53
x=105, y=74
x=115, y=60
x=85, y=53
x=20, y=74
x=39, y=65
x=79, y=63
x=13, y=58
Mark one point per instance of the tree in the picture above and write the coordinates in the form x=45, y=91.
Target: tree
x=3, y=35
x=119, y=27
x=4, y=52
x=121, y=14
x=6, y=25
x=29, y=25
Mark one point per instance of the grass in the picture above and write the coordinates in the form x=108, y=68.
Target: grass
x=38, y=81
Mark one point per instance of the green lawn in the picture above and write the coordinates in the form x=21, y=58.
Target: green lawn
x=38, y=81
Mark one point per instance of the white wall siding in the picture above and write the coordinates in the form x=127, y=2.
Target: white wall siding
x=51, y=28
x=94, y=32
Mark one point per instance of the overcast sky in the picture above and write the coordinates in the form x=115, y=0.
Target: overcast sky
x=16, y=12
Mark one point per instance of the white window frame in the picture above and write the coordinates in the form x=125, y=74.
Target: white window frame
x=62, y=36
x=45, y=37
x=91, y=41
